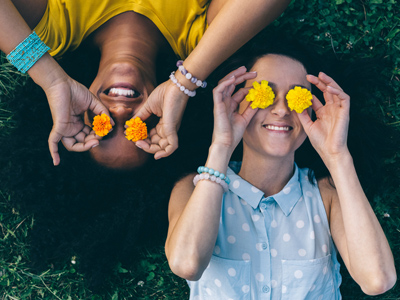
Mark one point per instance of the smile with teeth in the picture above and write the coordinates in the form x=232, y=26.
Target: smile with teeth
x=114, y=92
x=277, y=128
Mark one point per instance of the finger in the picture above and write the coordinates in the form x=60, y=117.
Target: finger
x=316, y=104
x=248, y=114
x=98, y=108
x=328, y=81
x=322, y=87
x=239, y=95
x=239, y=71
x=144, y=112
x=246, y=76
x=170, y=148
x=54, y=139
x=305, y=120
x=220, y=89
x=341, y=98
x=147, y=146
x=71, y=144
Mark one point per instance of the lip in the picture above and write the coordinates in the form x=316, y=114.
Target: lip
x=124, y=98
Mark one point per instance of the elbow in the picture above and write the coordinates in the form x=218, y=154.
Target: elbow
x=380, y=283
x=186, y=268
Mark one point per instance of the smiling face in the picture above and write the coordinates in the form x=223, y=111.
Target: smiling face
x=276, y=131
x=122, y=86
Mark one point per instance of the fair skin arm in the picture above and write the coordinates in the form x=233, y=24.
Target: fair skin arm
x=68, y=99
x=194, y=212
x=355, y=229
x=229, y=29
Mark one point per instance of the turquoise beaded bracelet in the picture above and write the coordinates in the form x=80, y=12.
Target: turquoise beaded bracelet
x=210, y=171
x=27, y=53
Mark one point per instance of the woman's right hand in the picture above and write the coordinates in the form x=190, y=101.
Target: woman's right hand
x=229, y=124
x=68, y=101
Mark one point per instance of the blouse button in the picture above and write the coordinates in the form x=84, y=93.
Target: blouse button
x=264, y=246
x=265, y=289
x=263, y=206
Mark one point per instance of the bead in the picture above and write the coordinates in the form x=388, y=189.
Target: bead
x=222, y=175
x=218, y=180
x=211, y=171
x=179, y=85
x=205, y=169
x=193, y=79
x=206, y=176
x=181, y=68
x=188, y=75
x=204, y=85
x=216, y=173
x=213, y=178
x=199, y=169
x=179, y=63
x=199, y=83
x=186, y=91
x=201, y=176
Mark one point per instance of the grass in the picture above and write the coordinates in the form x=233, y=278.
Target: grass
x=348, y=28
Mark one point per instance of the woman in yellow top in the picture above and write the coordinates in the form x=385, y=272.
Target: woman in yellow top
x=130, y=35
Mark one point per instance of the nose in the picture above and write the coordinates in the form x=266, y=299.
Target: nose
x=280, y=107
x=121, y=113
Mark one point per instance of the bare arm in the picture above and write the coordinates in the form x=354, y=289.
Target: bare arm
x=68, y=99
x=354, y=226
x=232, y=24
x=194, y=212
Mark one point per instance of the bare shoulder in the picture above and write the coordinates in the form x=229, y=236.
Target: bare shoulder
x=31, y=11
x=328, y=194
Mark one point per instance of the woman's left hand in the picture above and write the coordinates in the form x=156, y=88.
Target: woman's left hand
x=167, y=102
x=328, y=134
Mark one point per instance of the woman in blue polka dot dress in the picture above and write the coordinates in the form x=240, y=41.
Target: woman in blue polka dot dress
x=272, y=230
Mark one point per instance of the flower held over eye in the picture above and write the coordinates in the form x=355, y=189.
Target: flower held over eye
x=101, y=124
x=137, y=129
x=261, y=95
x=299, y=99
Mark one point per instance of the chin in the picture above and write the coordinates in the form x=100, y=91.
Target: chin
x=119, y=161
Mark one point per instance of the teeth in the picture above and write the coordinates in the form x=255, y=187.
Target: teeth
x=120, y=92
x=272, y=127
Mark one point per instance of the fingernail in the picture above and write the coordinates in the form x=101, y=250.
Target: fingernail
x=233, y=76
x=95, y=146
x=255, y=72
x=138, y=146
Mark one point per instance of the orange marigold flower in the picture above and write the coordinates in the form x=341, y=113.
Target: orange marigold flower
x=137, y=129
x=101, y=125
x=299, y=99
x=261, y=95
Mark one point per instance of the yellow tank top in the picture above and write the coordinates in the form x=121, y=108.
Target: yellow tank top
x=66, y=23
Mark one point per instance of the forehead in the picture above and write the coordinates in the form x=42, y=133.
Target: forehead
x=281, y=70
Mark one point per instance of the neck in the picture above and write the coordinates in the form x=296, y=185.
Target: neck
x=269, y=174
x=130, y=37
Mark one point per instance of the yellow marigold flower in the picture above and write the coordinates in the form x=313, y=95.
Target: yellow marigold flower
x=137, y=129
x=299, y=99
x=261, y=95
x=101, y=125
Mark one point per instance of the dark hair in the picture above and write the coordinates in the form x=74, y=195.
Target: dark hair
x=369, y=140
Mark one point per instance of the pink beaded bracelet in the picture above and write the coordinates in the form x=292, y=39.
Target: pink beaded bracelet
x=189, y=76
x=181, y=87
x=213, y=178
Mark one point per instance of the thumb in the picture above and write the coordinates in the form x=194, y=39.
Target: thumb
x=144, y=112
x=98, y=108
x=305, y=120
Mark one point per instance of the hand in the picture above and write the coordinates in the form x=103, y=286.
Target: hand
x=68, y=102
x=328, y=134
x=169, y=103
x=229, y=125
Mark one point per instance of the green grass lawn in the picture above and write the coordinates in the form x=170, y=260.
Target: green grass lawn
x=350, y=29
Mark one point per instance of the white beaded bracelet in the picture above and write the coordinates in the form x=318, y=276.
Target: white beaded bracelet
x=181, y=87
x=213, y=178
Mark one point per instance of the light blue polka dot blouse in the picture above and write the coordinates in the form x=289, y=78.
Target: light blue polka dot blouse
x=278, y=247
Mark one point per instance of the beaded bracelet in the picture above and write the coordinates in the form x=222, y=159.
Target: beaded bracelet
x=181, y=87
x=222, y=176
x=27, y=53
x=189, y=76
x=213, y=178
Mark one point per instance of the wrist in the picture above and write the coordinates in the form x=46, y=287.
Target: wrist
x=46, y=72
x=218, y=157
x=338, y=162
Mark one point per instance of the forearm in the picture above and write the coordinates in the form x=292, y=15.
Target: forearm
x=190, y=243
x=370, y=259
x=235, y=24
